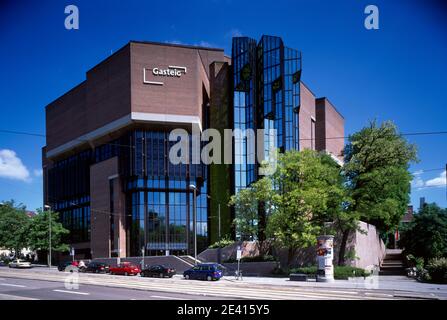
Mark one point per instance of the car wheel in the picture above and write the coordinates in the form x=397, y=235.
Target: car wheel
x=187, y=276
x=161, y=275
x=126, y=274
x=209, y=278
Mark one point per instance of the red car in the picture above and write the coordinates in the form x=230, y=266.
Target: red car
x=125, y=268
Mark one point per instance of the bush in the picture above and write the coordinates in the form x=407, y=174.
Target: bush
x=340, y=272
x=222, y=243
x=437, y=270
x=426, y=235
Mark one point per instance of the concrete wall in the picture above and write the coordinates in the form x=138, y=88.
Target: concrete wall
x=369, y=248
x=249, y=249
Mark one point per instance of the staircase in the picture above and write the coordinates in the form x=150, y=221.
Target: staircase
x=189, y=260
x=392, y=265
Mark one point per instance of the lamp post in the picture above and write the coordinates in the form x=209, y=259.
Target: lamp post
x=219, y=255
x=194, y=224
x=48, y=208
x=142, y=261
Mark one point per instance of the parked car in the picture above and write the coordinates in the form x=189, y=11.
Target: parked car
x=64, y=265
x=158, y=271
x=96, y=267
x=17, y=263
x=125, y=268
x=205, y=271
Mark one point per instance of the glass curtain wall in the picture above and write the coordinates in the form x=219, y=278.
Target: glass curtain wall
x=266, y=94
x=158, y=198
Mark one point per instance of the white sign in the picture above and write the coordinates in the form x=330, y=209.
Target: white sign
x=238, y=254
x=72, y=251
x=170, y=71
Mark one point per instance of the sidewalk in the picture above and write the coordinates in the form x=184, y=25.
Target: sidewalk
x=404, y=284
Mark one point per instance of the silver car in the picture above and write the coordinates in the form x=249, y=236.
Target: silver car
x=17, y=263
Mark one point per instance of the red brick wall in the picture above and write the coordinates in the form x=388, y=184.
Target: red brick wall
x=330, y=124
x=306, y=113
x=100, y=205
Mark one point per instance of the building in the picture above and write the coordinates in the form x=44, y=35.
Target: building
x=106, y=160
x=268, y=94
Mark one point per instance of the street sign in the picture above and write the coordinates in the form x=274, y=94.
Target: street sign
x=72, y=252
x=238, y=254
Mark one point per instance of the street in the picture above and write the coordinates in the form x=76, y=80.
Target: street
x=26, y=289
x=52, y=284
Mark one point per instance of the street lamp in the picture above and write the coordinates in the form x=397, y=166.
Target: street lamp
x=48, y=208
x=194, y=224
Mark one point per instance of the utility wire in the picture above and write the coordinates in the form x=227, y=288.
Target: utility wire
x=422, y=133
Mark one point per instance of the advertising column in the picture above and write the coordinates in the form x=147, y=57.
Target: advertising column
x=325, y=257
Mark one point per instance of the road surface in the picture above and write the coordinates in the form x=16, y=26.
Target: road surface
x=41, y=283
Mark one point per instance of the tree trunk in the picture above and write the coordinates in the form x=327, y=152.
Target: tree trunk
x=341, y=254
x=290, y=255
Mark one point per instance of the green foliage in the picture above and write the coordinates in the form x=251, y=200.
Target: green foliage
x=340, y=272
x=14, y=227
x=226, y=241
x=305, y=192
x=39, y=232
x=437, y=270
x=415, y=262
x=308, y=192
x=246, y=203
x=376, y=167
x=351, y=255
x=426, y=235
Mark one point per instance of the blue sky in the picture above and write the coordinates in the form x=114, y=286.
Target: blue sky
x=394, y=73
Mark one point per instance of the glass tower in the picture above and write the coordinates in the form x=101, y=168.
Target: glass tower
x=266, y=95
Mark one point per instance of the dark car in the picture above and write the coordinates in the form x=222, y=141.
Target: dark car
x=158, y=271
x=96, y=267
x=205, y=271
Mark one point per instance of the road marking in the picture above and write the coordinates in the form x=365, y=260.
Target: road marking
x=12, y=285
x=14, y=297
x=338, y=291
x=73, y=292
x=378, y=294
x=170, y=298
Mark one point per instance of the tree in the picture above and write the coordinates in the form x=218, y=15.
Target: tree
x=376, y=168
x=246, y=203
x=308, y=192
x=426, y=235
x=39, y=232
x=14, y=227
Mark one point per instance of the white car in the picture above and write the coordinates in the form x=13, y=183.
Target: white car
x=20, y=264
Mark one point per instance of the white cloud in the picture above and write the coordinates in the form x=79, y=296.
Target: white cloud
x=420, y=184
x=438, y=181
x=11, y=166
x=38, y=172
